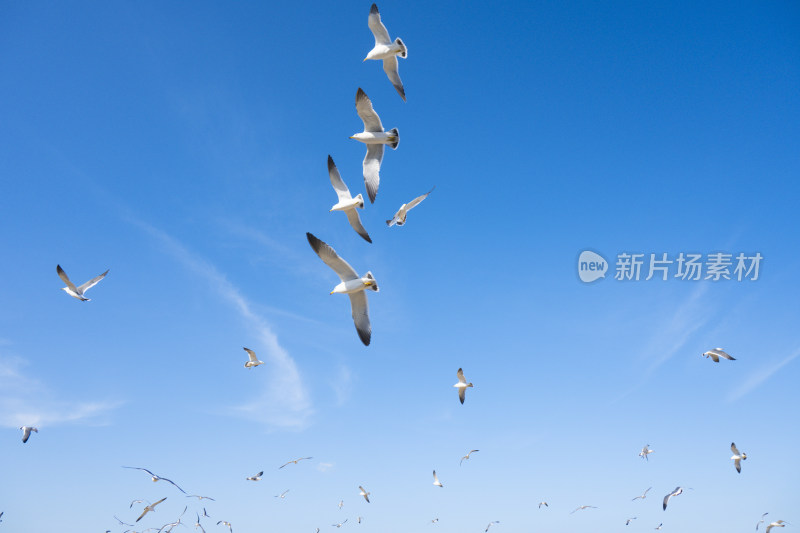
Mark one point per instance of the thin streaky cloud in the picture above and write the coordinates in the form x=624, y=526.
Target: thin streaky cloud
x=758, y=379
x=285, y=401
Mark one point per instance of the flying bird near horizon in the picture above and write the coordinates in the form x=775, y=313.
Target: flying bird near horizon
x=257, y=477
x=364, y=493
x=155, y=478
x=716, y=353
x=150, y=507
x=352, y=284
x=294, y=462
x=737, y=458
x=26, y=432
x=375, y=138
x=347, y=203
x=399, y=218
x=387, y=50
x=677, y=492
x=252, y=359
x=466, y=457
x=77, y=292
x=436, y=480
x=462, y=386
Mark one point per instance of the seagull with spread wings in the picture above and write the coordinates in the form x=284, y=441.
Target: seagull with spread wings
x=737, y=458
x=677, y=492
x=156, y=478
x=257, y=477
x=436, y=480
x=387, y=50
x=252, y=359
x=352, y=284
x=582, y=507
x=294, y=462
x=462, y=385
x=399, y=218
x=26, y=432
x=150, y=507
x=347, y=203
x=77, y=292
x=375, y=138
x=466, y=457
x=716, y=353
x=643, y=496
x=364, y=493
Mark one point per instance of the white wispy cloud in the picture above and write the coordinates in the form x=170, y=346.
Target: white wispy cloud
x=285, y=401
x=757, y=379
x=28, y=401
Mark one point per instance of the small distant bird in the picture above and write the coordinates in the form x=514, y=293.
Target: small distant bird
x=346, y=202
x=461, y=385
x=376, y=139
x=135, y=501
x=434, y=521
x=359, y=519
x=466, y=457
x=629, y=520
x=253, y=360
x=490, y=525
x=761, y=521
x=282, y=495
x=364, y=493
x=341, y=504
x=205, y=513
x=223, y=522
x=387, y=50
x=352, y=284
x=257, y=477
x=77, y=292
x=149, y=508
x=340, y=524
x=659, y=526
x=294, y=462
x=200, y=497
x=645, y=452
x=26, y=432
x=582, y=507
x=779, y=523
x=716, y=353
x=677, y=492
x=115, y=518
x=737, y=458
x=197, y=524
x=643, y=496
x=155, y=478
x=543, y=503
x=399, y=218
x=317, y=530
x=436, y=480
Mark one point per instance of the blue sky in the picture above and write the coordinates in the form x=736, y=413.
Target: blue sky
x=183, y=146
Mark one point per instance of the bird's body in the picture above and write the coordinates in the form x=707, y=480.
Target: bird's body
x=77, y=292
x=375, y=138
x=778, y=523
x=462, y=385
x=386, y=50
x=257, y=477
x=645, y=452
x=364, y=493
x=149, y=508
x=352, y=284
x=26, y=432
x=677, y=492
x=399, y=218
x=716, y=353
x=466, y=457
x=737, y=458
x=436, y=480
x=252, y=359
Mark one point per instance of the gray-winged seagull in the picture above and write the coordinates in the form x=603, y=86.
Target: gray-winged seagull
x=375, y=138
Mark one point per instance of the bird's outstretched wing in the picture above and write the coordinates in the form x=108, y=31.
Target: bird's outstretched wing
x=331, y=258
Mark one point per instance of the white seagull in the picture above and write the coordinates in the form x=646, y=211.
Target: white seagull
x=352, y=284
x=294, y=462
x=257, y=477
x=490, y=525
x=387, y=50
x=26, y=432
x=149, y=508
x=346, y=202
x=629, y=520
x=761, y=521
x=643, y=496
x=399, y=218
x=659, y=526
x=737, y=458
x=364, y=493
x=716, y=353
x=436, y=480
x=779, y=523
x=461, y=385
x=223, y=522
x=341, y=504
x=200, y=497
x=375, y=138
x=466, y=457
x=678, y=491
x=77, y=292
x=253, y=360
x=645, y=452
x=582, y=507
x=282, y=495
x=543, y=503
x=155, y=478
x=340, y=524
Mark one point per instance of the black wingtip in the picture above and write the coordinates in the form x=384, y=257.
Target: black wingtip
x=331, y=164
x=373, y=9
x=360, y=94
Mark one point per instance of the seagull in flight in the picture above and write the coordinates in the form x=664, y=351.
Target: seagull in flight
x=677, y=492
x=761, y=521
x=645, y=452
x=156, y=478
x=257, y=477
x=375, y=138
x=223, y=522
x=77, y=292
x=294, y=462
x=466, y=457
x=341, y=504
x=659, y=526
x=490, y=525
x=399, y=218
x=434, y=521
x=352, y=284
x=643, y=496
x=282, y=495
x=253, y=360
x=149, y=508
x=340, y=524
x=779, y=523
x=716, y=353
x=115, y=518
x=436, y=480
x=200, y=497
x=629, y=520
x=364, y=493
x=197, y=524
x=387, y=50
x=543, y=503
x=26, y=432
x=461, y=385
x=582, y=507
x=737, y=458
x=346, y=202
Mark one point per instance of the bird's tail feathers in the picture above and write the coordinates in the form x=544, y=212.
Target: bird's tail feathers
x=403, y=50
x=396, y=133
